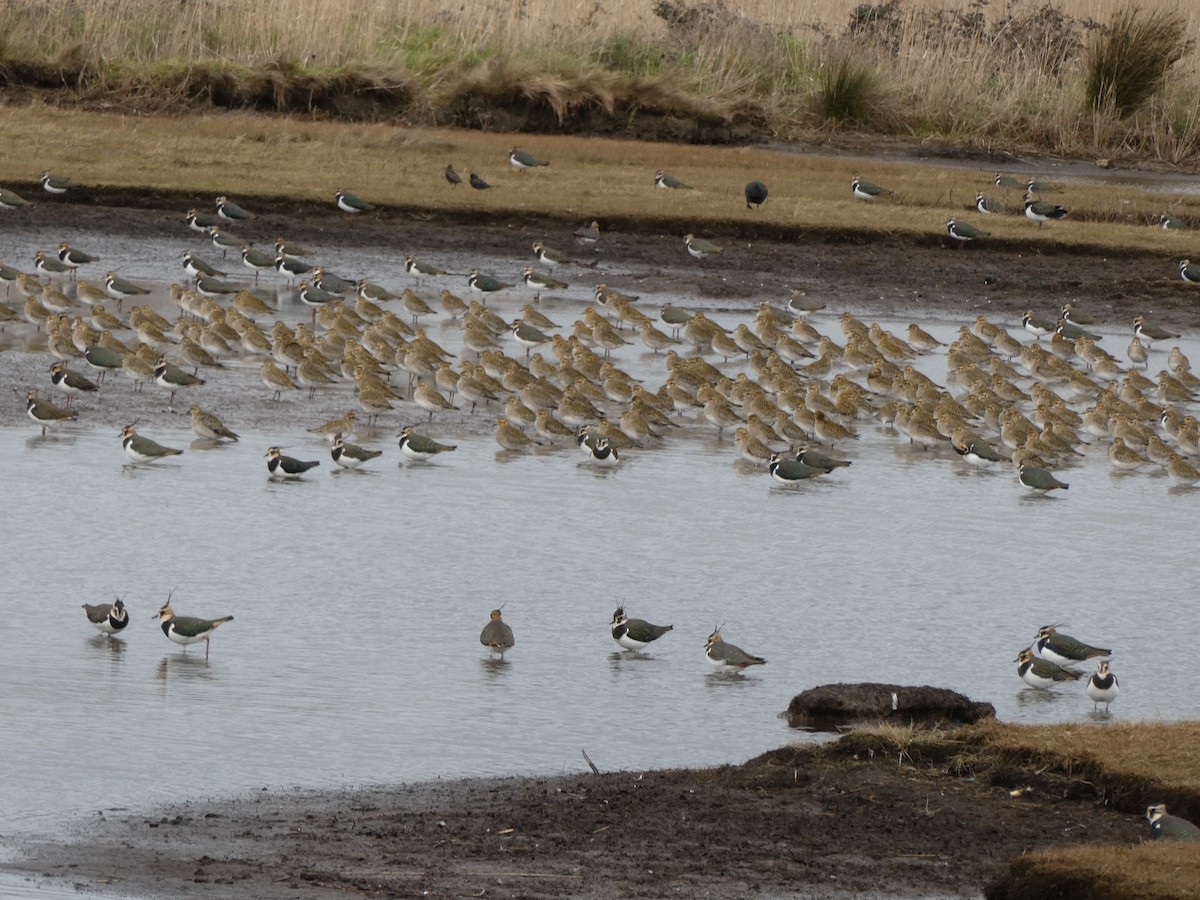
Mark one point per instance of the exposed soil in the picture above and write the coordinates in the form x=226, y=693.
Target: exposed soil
x=799, y=822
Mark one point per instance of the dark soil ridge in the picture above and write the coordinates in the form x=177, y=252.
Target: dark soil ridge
x=637, y=109
x=931, y=813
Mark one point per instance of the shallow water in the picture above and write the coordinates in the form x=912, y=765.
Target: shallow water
x=358, y=598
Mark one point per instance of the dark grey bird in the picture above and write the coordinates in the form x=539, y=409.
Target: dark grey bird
x=478, y=183
x=453, y=177
x=756, y=194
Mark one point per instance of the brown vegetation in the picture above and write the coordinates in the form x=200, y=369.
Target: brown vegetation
x=1062, y=78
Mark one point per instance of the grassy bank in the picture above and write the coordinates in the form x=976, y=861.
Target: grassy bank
x=1125, y=766
x=293, y=167
x=1074, y=78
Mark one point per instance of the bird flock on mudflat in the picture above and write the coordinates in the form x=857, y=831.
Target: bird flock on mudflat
x=798, y=393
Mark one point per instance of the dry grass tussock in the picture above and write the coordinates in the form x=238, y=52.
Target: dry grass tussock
x=1011, y=75
x=611, y=180
x=1158, y=871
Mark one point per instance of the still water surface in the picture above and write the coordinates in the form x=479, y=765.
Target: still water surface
x=358, y=598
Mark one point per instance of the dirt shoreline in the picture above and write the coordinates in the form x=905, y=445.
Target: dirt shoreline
x=802, y=821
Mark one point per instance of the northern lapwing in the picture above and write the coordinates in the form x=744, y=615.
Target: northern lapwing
x=528, y=336
x=1077, y=317
x=451, y=176
x=1033, y=186
x=588, y=235
x=520, y=160
x=289, y=266
x=635, y=634
x=314, y=297
x=254, y=260
x=1073, y=332
x=351, y=204
x=1039, y=479
x=1189, y=272
x=280, y=466
x=230, y=211
x=102, y=359
x=418, y=269
x=1062, y=649
x=173, y=378
x=478, y=182
x=1007, y=181
x=201, y=222
x=194, y=265
x=549, y=256
x=663, y=180
x=496, y=634
x=978, y=452
x=700, y=248
x=600, y=452
x=121, y=289
x=726, y=657
x=986, y=205
x=214, y=287
x=224, y=240
x=70, y=382
x=351, y=456
x=803, y=305
x=419, y=447
x=1164, y=827
x=10, y=200
x=289, y=248
x=540, y=281
x=109, y=618
x=1041, y=211
x=1041, y=673
x=861, y=189
x=1038, y=326
x=1166, y=223
x=51, y=265
x=964, y=231
x=485, y=284
x=815, y=459
x=56, y=184
x=186, y=630
x=46, y=413
x=788, y=470
x=1102, y=687
x=141, y=449
x=1150, y=332
x=756, y=194
x=208, y=426
x=74, y=257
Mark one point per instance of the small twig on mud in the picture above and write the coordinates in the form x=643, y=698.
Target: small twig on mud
x=591, y=765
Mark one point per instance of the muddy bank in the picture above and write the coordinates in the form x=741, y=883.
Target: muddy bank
x=815, y=822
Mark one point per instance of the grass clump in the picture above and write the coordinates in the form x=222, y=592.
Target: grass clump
x=1129, y=60
x=847, y=88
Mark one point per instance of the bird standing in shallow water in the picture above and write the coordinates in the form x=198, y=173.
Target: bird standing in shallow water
x=109, y=618
x=1102, y=687
x=726, y=657
x=496, y=634
x=142, y=449
x=281, y=466
x=1041, y=673
x=635, y=634
x=186, y=630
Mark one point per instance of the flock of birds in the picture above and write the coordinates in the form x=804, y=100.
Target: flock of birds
x=1052, y=657
x=1016, y=402
x=1048, y=661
